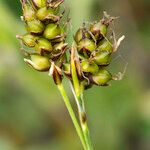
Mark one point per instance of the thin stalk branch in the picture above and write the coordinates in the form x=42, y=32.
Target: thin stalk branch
x=72, y=115
x=83, y=118
x=84, y=124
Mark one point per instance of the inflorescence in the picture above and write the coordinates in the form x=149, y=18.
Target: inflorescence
x=46, y=36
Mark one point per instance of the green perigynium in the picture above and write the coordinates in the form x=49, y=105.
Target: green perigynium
x=85, y=65
x=89, y=67
x=102, y=77
x=52, y=30
x=38, y=62
x=43, y=46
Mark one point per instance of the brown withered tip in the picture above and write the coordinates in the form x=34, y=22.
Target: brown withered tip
x=54, y=3
x=19, y=36
x=107, y=19
x=83, y=117
x=76, y=61
x=61, y=53
x=56, y=73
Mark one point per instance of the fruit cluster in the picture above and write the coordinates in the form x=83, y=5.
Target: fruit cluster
x=45, y=33
x=46, y=36
x=95, y=52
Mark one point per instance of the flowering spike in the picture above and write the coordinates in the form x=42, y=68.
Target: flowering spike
x=95, y=51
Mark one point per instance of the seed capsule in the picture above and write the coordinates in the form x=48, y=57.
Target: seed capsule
x=28, y=39
x=86, y=44
x=102, y=77
x=45, y=13
x=105, y=45
x=99, y=30
x=102, y=58
x=39, y=3
x=61, y=37
x=43, y=45
x=35, y=26
x=52, y=30
x=28, y=12
x=80, y=34
x=38, y=62
x=89, y=67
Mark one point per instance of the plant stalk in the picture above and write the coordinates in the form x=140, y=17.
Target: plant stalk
x=72, y=115
x=84, y=124
x=77, y=90
x=83, y=119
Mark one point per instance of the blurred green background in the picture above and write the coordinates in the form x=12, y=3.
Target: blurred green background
x=32, y=113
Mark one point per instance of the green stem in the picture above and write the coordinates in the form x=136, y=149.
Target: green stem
x=83, y=118
x=83, y=121
x=72, y=115
x=77, y=90
x=84, y=124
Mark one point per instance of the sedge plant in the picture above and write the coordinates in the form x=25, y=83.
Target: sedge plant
x=85, y=63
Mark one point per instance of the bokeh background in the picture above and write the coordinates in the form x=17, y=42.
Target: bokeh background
x=32, y=113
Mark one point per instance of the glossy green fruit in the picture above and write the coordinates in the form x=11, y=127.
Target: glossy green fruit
x=38, y=62
x=35, y=26
x=52, y=30
x=42, y=13
x=29, y=40
x=43, y=45
x=39, y=3
x=102, y=77
x=89, y=67
x=102, y=58
x=80, y=34
x=86, y=44
x=105, y=45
